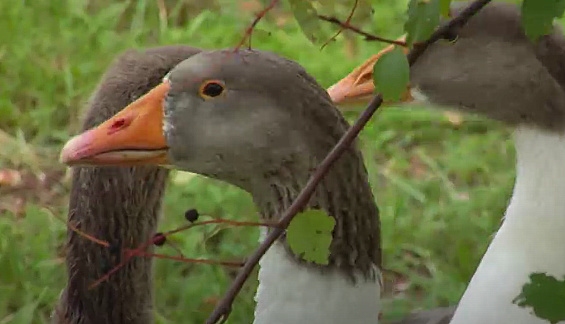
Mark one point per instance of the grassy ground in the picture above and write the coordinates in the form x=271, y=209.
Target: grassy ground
x=441, y=187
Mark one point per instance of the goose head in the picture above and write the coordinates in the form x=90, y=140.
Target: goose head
x=209, y=117
x=487, y=66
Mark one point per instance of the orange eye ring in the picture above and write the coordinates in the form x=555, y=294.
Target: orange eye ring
x=211, y=88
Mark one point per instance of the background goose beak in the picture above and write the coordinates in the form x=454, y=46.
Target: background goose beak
x=131, y=137
x=358, y=87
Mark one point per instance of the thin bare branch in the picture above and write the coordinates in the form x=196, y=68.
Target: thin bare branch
x=258, y=17
x=236, y=264
x=141, y=250
x=347, y=21
x=369, y=37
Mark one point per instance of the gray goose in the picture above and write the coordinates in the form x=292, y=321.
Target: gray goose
x=119, y=205
x=260, y=122
x=492, y=69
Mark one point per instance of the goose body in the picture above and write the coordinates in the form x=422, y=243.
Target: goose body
x=118, y=205
x=494, y=70
x=227, y=115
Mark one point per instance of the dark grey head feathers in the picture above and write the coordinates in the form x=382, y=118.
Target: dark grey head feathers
x=270, y=112
x=494, y=69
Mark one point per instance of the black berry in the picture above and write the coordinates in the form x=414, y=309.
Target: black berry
x=159, y=239
x=191, y=215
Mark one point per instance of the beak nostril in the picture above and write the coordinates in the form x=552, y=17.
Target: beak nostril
x=119, y=124
x=363, y=78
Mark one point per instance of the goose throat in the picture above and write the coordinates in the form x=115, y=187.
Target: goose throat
x=537, y=206
x=344, y=194
x=293, y=291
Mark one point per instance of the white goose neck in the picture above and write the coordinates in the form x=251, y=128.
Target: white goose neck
x=290, y=293
x=530, y=238
x=540, y=177
x=348, y=289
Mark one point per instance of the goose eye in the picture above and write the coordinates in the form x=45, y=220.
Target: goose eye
x=210, y=89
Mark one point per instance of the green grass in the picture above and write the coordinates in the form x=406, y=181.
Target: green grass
x=441, y=188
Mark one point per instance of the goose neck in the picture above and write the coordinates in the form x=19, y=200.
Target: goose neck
x=526, y=242
x=120, y=206
x=344, y=194
x=539, y=188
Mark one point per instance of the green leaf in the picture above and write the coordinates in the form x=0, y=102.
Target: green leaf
x=538, y=15
x=391, y=74
x=444, y=6
x=545, y=295
x=309, y=235
x=423, y=19
x=307, y=18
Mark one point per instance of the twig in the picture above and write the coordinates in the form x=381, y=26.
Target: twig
x=223, y=308
x=192, y=260
x=141, y=250
x=347, y=21
x=258, y=17
x=369, y=37
x=78, y=231
x=221, y=221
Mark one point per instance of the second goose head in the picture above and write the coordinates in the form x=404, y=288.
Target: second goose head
x=488, y=67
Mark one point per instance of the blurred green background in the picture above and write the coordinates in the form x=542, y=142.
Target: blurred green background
x=441, y=183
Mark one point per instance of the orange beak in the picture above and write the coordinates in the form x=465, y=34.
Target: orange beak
x=358, y=87
x=131, y=137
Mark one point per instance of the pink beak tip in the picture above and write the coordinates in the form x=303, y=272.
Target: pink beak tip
x=75, y=148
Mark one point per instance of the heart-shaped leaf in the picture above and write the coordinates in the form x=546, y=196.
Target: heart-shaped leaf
x=423, y=19
x=391, y=74
x=538, y=15
x=309, y=235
